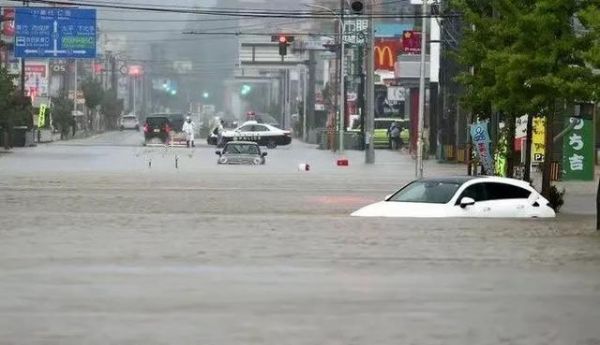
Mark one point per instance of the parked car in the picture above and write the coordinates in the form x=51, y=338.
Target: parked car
x=478, y=197
x=241, y=152
x=129, y=122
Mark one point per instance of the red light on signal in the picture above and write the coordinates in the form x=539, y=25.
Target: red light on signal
x=135, y=70
x=282, y=39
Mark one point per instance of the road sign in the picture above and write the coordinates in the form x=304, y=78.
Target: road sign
x=355, y=29
x=55, y=32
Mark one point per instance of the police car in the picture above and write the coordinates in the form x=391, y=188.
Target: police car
x=260, y=133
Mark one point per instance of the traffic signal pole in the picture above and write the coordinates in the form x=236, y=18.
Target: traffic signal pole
x=342, y=80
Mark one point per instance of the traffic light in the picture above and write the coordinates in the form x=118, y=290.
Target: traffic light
x=246, y=89
x=283, y=45
x=357, y=6
x=283, y=41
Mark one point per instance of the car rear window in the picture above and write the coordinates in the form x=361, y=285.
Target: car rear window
x=156, y=121
x=177, y=121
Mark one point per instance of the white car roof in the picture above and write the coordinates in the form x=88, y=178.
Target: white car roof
x=505, y=180
x=270, y=127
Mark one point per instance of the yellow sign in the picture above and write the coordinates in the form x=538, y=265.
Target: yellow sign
x=384, y=54
x=42, y=115
x=538, y=140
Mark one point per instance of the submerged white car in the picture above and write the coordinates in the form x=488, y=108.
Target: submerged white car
x=478, y=197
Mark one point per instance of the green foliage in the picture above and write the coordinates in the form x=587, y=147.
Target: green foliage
x=111, y=107
x=62, y=117
x=92, y=92
x=526, y=54
x=7, y=98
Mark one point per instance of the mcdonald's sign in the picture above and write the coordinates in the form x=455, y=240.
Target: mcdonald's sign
x=386, y=53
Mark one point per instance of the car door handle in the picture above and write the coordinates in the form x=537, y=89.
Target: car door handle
x=486, y=209
x=520, y=207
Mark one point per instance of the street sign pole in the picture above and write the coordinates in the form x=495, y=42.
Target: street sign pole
x=75, y=96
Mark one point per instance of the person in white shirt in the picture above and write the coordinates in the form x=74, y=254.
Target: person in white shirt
x=188, y=129
x=220, y=130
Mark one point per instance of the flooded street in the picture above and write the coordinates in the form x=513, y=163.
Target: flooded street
x=99, y=248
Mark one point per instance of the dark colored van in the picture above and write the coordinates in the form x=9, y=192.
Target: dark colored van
x=157, y=126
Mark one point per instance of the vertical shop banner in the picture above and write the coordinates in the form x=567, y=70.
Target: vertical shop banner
x=481, y=145
x=500, y=157
x=36, y=79
x=8, y=22
x=578, y=152
x=538, y=140
x=41, y=122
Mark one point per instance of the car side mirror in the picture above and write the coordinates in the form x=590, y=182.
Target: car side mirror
x=264, y=154
x=218, y=152
x=466, y=201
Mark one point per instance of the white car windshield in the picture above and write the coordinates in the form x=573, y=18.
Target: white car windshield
x=431, y=192
x=241, y=149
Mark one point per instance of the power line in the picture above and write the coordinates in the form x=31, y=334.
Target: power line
x=237, y=13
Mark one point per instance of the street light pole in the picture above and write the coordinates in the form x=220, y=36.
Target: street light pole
x=421, y=120
x=342, y=79
x=134, y=95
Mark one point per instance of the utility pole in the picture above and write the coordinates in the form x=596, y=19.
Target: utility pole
x=310, y=98
x=370, y=89
x=113, y=71
x=421, y=121
x=361, y=91
x=342, y=79
x=305, y=100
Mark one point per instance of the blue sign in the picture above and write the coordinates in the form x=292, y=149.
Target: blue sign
x=481, y=143
x=46, y=32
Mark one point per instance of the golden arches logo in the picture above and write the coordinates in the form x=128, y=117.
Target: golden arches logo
x=382, y=54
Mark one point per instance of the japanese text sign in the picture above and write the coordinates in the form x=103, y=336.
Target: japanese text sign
x=578, y=152
x=481, y=144
x=42, y=32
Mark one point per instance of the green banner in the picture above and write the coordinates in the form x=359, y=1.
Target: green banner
x=500, y=165
x=578, y=152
